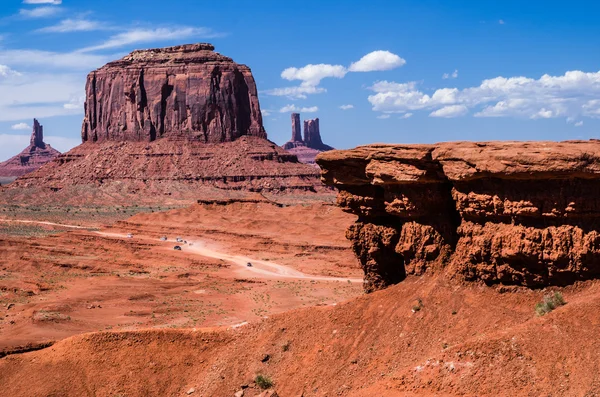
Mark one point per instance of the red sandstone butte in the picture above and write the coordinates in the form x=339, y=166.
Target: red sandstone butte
x=32, y=157
x=185, y=92
x=171, y=122
x=308, y=148
x=520, y=213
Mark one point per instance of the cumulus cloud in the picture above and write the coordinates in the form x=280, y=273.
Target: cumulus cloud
x=5, y=71
x=55, y=2
x=384, y=116
x=406, y=116
x=452, y=75
x=346, y=107
x=266, y=112
x=570, y=95
x=21, y=126
x=74, y=25
x=139, y=36
x=377, y=61
x=39, y=12
x=311, y=75
x=450, y=111
x=299, y=92
x=578, y=124
x=294, y=108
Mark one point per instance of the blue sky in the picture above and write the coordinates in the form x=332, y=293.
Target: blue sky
x=434, y=70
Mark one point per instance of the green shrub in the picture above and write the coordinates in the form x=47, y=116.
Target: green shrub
x=263, y=381
x=549, y=303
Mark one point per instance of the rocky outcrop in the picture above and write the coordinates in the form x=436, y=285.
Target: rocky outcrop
x=308, y=148
x=187, y=92
x=312, y=135
x=32, y=157
x=296, y=132
x=521, y=213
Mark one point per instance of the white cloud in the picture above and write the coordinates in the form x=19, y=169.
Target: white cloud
x=74, y=25
x=311, y=75
x=501, y=22
x=55, y=2
x=5, y=71
x=299, y=92
x=450, y=111
x=452, y=75
x=266, y=112
x=21, y=126
x=406, y=115
x=39, y=95
x=573, y=94
x=39, y=12
x=139, y=36
x=377, y=61
x=578, y=124
x=47, y=59
x=384, y=116
x=294, y=108
x=346, y=107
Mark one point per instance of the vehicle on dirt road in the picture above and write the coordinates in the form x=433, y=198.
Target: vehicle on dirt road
x=177, y=248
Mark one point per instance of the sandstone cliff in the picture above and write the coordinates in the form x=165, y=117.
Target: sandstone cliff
x=185, y=92
x=32, y=157
x=524, y=213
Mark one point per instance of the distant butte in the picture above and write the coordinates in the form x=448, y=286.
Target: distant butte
x=32, y=157
x=179, y=122
x=308, y=148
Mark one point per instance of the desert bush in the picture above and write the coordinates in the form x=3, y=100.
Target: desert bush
x=263, y=381
x=549, y=303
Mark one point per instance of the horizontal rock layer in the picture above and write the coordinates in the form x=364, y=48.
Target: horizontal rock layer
x=523, y=213
x=188, y=92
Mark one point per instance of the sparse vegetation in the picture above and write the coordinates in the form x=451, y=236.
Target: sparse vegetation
x=286, y=346
x=549, y=303
x=263, y=381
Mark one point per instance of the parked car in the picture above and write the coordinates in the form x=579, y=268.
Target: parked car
x=129, y=235
x=163, y=238
x=249, y=264
x=177, y=248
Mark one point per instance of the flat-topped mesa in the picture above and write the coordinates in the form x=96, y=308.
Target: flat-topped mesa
x=521, y=213
x=186, y=92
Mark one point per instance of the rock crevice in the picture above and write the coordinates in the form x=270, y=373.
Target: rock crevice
x=521, y=213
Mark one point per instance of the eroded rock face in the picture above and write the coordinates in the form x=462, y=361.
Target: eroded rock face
x=522, y=213
x=187, y=92
x=32, y=157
